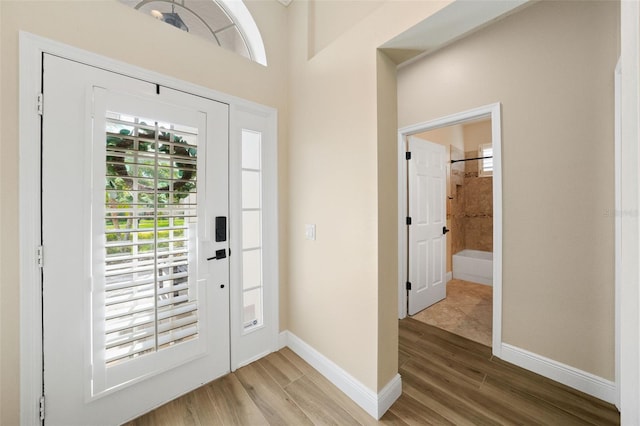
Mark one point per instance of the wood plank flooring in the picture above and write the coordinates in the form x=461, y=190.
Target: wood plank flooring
x=447, y=380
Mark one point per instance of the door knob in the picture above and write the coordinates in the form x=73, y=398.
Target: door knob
x=445, y=230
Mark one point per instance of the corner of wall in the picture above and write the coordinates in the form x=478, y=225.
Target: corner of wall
x=374, y=403
x=387, y=219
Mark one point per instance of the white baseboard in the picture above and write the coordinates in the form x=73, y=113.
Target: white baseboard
x=376, y=404
x=388, y=395
x=282, y=339
x=581, y=380
x=449, y=276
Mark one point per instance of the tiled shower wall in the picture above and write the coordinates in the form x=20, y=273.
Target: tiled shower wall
x=471, y=207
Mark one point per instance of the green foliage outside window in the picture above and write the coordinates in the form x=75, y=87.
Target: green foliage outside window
x=162, y=181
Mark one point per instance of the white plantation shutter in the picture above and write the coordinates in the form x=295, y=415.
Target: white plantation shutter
x=486, y=164
x=150, y=229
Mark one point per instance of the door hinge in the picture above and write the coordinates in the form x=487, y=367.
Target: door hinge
x=407, y=155
x=40, y=256
x=408, y=285
x=408, y=221
x=40, y=103
x=42, y=407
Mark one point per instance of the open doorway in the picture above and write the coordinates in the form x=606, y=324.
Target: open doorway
x=466, y=308
x=471, y=228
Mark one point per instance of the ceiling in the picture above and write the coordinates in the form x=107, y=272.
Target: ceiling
x=453, y=22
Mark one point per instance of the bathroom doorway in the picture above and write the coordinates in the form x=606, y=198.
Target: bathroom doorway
x=472, y=306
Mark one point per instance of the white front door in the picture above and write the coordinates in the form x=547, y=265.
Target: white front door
x=135, y=311
x=427, y=210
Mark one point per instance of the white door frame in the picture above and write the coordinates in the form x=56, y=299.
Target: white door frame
x=628, y=303
x=489, y=111
x=617, y=223
x=30, y=65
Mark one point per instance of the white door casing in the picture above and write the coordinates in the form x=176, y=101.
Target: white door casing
x=427, y=210
x=629, y=306
x=78, y=385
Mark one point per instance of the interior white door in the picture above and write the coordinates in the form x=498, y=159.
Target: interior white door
x=427, y=210
x=133, y=178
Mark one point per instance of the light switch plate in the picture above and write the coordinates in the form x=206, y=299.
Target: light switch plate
x=310, y=231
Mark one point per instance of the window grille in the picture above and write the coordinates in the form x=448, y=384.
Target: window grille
x=228, y=23
x=252, y=274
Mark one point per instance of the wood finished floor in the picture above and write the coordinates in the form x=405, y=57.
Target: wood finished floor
x=446, y=380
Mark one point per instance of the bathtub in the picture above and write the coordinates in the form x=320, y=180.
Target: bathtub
x=473, y=265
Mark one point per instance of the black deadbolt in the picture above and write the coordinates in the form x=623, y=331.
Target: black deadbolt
x=221, y=229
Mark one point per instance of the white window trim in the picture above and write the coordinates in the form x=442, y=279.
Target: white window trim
x=248, y=28
x=30, y=55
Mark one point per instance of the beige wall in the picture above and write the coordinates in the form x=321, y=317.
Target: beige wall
x=551, y=66
x=114, y=30
x=343, y=286
x=476, y=134
x=387, y=215
x=329, y=19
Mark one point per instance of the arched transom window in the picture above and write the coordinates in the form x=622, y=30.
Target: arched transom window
x=225, y=22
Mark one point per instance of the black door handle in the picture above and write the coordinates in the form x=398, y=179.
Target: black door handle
x=445, y=230
x=220, y=254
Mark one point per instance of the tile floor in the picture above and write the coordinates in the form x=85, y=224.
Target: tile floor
x=466, y=311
